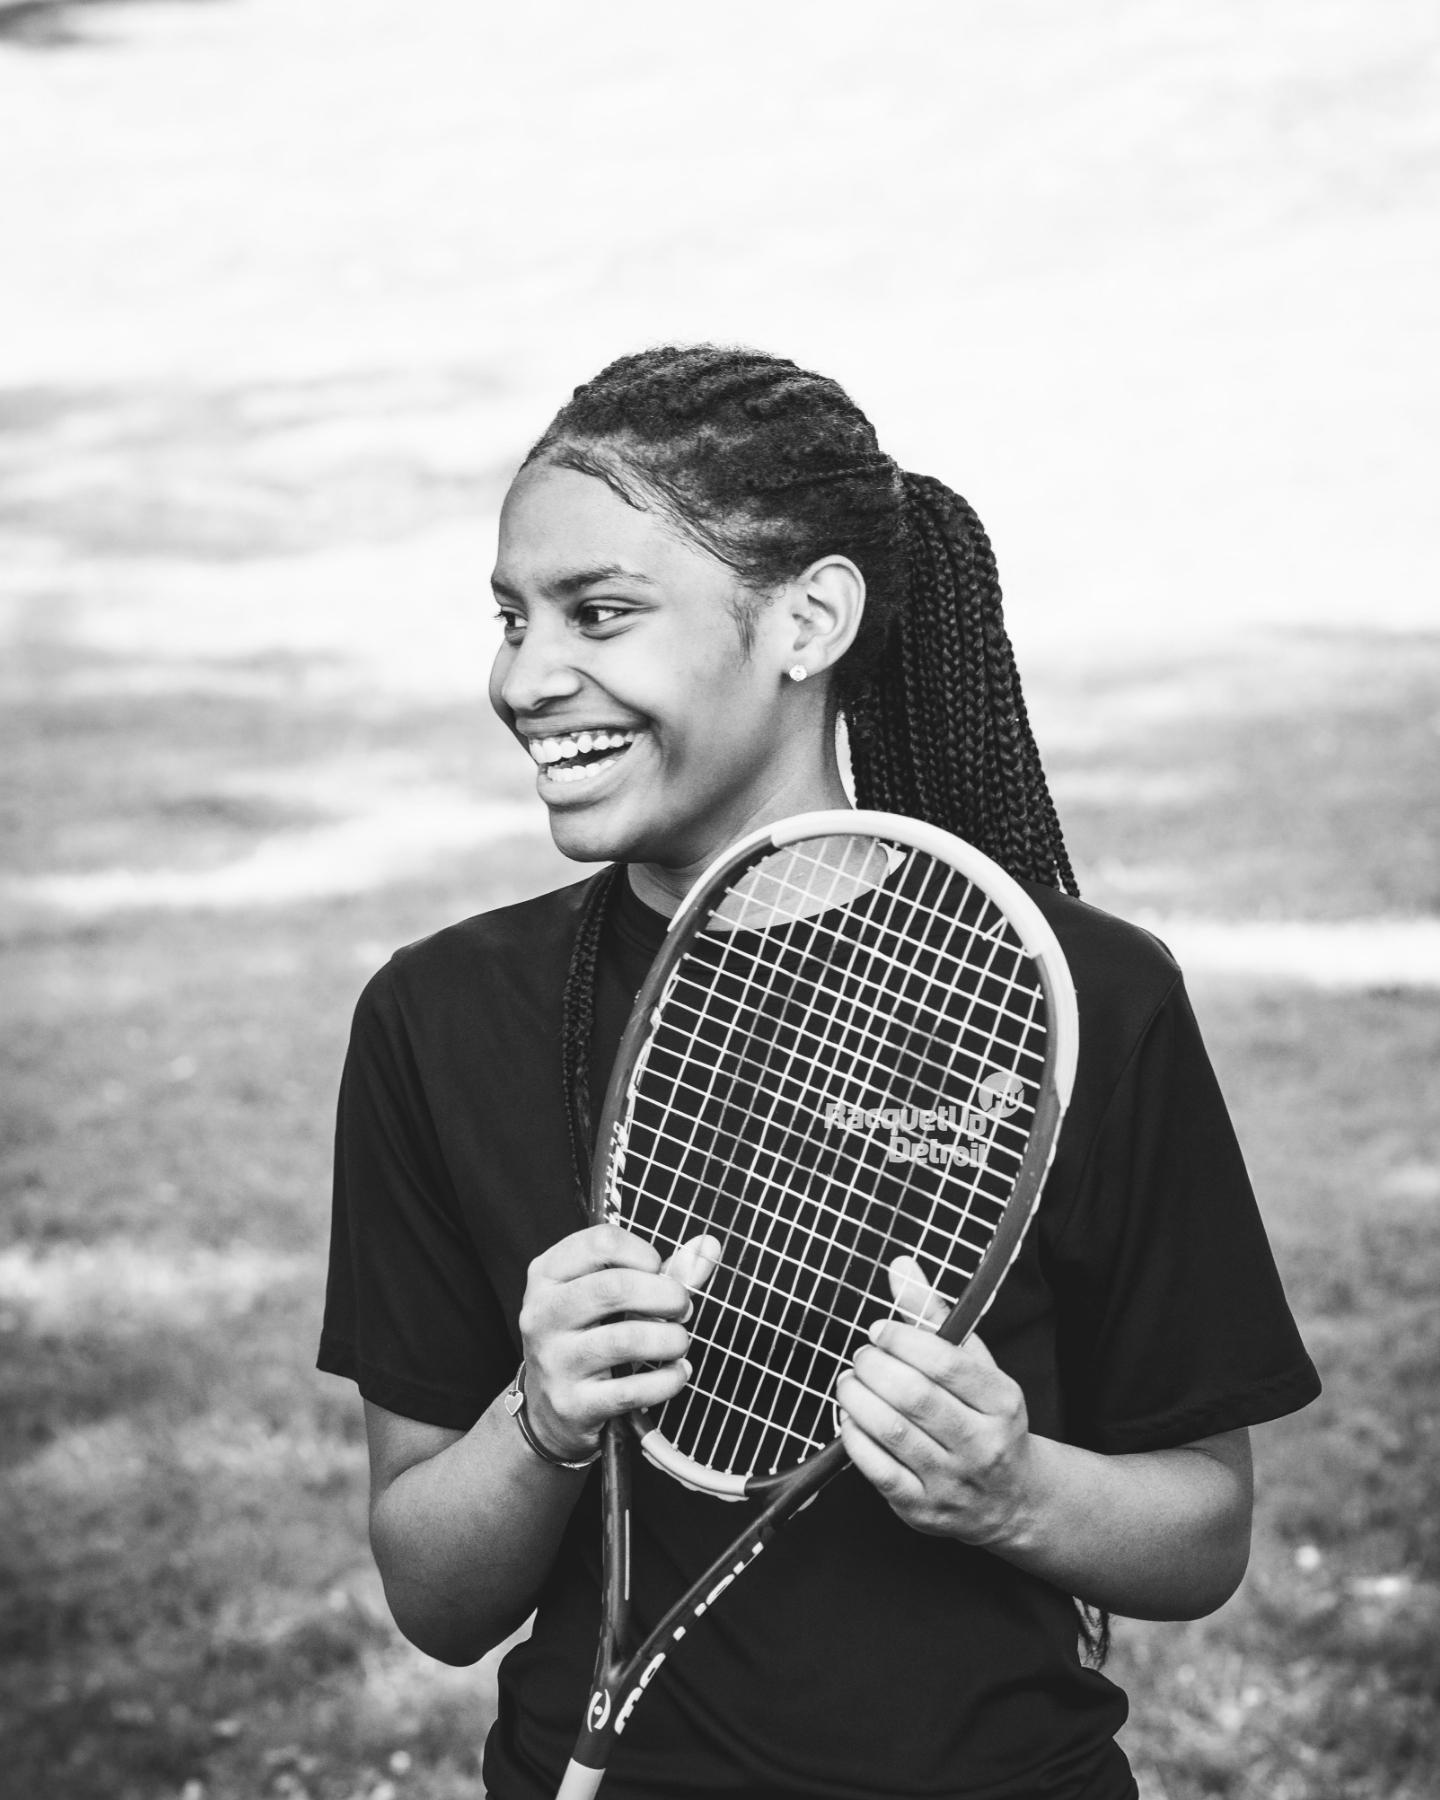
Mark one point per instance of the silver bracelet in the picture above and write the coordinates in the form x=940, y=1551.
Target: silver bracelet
x=514, y=1404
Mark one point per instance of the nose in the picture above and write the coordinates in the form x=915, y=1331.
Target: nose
x=537, y=669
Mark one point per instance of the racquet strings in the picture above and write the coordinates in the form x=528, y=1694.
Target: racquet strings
x=842, y=1068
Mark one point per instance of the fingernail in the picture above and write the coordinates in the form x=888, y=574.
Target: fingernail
x=685, y=1365
x=875, y=1328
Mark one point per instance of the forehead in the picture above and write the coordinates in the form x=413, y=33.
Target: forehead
x=556, y=523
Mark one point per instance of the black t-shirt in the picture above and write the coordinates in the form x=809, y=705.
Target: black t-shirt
x=864, y=1659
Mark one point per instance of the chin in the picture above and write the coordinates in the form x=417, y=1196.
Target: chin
x=590, y=840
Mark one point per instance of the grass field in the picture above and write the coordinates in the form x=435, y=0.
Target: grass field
x=281, y=318
x=188, y=1605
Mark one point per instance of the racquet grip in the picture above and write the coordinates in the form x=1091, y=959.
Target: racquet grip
x=579, y=1783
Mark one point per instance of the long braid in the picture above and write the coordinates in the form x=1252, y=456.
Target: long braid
x=941, y=730
x=1040, y=788
x=577, y=1029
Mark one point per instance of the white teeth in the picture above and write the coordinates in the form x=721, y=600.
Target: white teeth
x=553, y=750
x=576, y=771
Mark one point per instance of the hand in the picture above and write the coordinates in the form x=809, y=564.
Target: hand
x=594, y=1303
x=939, y=1430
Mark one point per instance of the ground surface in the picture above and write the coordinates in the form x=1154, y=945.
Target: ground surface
x=287, y=289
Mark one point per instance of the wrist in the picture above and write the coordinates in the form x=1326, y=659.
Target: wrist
x=1056, y=1484
x=514, y=1402
x=1022, y=1531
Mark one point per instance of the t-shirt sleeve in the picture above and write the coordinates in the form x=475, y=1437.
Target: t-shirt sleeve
x=409, y=1313
x=1174, y=1324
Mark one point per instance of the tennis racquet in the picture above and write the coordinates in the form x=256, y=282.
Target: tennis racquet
x=856, y=1044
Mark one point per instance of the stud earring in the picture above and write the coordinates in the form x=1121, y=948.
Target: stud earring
x=798, y=672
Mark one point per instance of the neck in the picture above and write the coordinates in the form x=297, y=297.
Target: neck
x=662, y=887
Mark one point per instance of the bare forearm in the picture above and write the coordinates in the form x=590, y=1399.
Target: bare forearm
x=1160, y=1535
x=941, y=1432
x=466, y=1526
x=465, y=1538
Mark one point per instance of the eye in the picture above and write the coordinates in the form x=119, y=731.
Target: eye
x=512, y=623
x=594, y=615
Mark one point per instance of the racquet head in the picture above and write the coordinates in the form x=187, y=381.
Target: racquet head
x=856, y=1045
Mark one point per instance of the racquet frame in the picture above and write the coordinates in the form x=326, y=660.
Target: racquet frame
x=624, y=1669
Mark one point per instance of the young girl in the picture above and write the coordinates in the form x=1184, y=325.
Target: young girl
x=704, y=563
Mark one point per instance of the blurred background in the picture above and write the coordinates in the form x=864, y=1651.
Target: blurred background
x=289, y=285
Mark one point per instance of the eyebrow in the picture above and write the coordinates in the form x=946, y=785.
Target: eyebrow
x=575, y=581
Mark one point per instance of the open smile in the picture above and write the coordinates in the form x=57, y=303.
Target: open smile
x=578, y=756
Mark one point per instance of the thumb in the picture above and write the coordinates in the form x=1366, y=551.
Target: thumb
x=915, y=1299
x=695, y=1262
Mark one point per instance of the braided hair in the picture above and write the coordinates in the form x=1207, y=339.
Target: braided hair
x=769, y=468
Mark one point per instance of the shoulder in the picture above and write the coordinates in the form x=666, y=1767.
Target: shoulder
x=519, y=933
x=1123, y=975
x=513, y=956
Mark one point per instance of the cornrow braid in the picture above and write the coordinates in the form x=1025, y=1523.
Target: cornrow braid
x=770, y=467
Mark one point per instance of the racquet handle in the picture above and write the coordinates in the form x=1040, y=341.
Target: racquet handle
x=579, y=1783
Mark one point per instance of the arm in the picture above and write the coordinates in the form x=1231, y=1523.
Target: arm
x=941, y=1433
x=465, y=1525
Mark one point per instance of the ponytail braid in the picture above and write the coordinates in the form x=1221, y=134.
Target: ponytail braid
x=940, y=731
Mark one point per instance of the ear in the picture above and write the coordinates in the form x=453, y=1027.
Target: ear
x=819, y=614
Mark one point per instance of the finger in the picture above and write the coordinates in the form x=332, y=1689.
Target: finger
x=585, y=1406
x=695, y=1262
x=890, y=1478
x=624, y=1341
x=603, y=1398
x=915, y=1299
x=596, y=1247
x=606, y=1293
x=902, y=1438
x=968, y=1370
x=912, y=1393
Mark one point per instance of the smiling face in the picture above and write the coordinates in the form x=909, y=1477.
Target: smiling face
x=657, y=738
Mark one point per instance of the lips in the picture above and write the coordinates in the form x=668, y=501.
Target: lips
x=573, y=757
